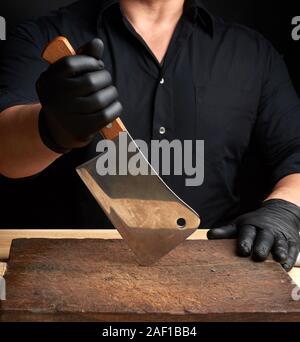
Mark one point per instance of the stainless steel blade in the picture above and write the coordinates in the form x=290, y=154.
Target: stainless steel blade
x=147, y=213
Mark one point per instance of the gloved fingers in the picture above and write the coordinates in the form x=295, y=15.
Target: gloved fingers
x=107, y=115
x=85, y=126
x=263, y=245
x=76, y=65
x=96, y=102
x=90, y=83
x=280, y=250
x=81, y=86
x=86, y=84
x=246, y=238
x=292, y=256
x=94, y=48
x=226, y=232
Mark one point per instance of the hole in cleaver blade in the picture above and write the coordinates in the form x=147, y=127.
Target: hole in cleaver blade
x=146, y=212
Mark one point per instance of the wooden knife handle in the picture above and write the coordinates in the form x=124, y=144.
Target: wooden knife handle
x=60, y=47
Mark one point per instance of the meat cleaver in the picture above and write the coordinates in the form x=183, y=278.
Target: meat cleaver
x=149, y=216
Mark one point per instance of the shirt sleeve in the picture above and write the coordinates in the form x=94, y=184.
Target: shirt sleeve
x=20, y=65
x=277, y=129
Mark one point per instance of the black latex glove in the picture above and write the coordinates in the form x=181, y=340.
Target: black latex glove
x=272, y=228
x=77, y=98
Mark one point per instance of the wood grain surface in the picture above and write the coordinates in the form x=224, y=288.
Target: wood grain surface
x=7, y=235
x=57, y=49
x=113, y=130
x=99, y=280
x=2, y=268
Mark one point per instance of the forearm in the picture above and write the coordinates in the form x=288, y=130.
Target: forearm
x=22, y=153
x=287, y=189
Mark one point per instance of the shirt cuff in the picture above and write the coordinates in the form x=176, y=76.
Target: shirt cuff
x=9, y=99
x=288, y=167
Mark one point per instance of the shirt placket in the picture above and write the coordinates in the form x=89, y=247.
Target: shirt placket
x=163, y=109
x=163, y=112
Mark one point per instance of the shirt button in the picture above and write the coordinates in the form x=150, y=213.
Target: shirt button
x=162, y=81
x=162, y=130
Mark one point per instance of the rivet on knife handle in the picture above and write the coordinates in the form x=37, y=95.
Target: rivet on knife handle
x=59, y=48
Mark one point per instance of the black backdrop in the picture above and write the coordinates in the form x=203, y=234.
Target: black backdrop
x=271, y=18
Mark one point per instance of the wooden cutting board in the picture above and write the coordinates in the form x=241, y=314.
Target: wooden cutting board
x=99, y=280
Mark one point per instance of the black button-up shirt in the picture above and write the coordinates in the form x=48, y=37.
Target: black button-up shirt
x=219, y=82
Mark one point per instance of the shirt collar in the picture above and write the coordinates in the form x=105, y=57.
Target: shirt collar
x=104, y=5
x=193, y=8
x=198, y=12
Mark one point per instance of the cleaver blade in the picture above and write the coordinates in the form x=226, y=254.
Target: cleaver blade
x=149, y=216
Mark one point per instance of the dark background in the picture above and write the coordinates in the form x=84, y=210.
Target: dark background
x=272, y=18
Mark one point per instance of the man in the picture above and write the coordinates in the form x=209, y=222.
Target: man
x=179, y=73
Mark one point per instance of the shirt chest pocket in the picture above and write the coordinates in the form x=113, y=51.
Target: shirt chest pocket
x=225, y=117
